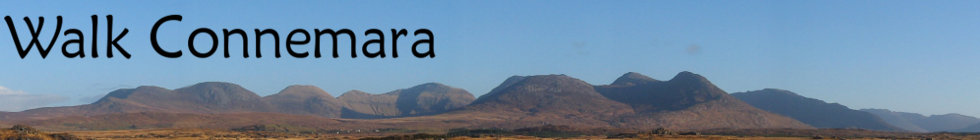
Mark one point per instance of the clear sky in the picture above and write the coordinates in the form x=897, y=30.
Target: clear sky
x=915, y=56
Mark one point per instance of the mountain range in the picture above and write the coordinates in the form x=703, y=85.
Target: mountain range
x=425, y=99
x=688, y=100
x=633, y=101
x=814, y=112
x=220, y=97
x=934, y=123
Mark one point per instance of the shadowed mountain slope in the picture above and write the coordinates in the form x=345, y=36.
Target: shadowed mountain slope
x=547, y=99
x=814, y=112
x=207, y=97
x=425, y=99
x=971, y=128
x=920, y=123
x=687, y=101
x=219, y=97
x=305, y=99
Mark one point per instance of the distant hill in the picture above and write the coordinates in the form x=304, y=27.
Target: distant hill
x=425, y=99
x=207, y=97
x=648, y=95
x=811, y=111
x=307, y=100
x=150, y=120
x=971, y=128
x=920, y=123
x=220, y=97
x=549, y=99
x=687, y=101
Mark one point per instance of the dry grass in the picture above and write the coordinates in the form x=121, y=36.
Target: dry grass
x=28, y=133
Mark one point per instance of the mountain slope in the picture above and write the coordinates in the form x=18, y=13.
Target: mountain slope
x=648, y=95
x=207, y=97
x=634, y=101
x=811, y=111
x=971, y=128
x=948, y=122
x=920, y=123
x=687, y=101
x=547, y=99
x=637, y=102
x=425, y=99
x=305, y=99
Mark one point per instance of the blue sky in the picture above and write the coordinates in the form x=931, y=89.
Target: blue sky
x=915, y=56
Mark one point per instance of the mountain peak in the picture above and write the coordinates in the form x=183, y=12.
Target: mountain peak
x=305, y=99
x=684, y=90
x=772, y=92
x=355, y=93
x=432, y=86
x=126, y=93
x=688, y=76
x=633, y=78
x=537, y=84
x=951, y=114
x=302, y=87
x=304, y=91
x=777, y=90
x=216, y=84
x=424, y=99
x=209, y=87
x=221, y=94
x=554, y=80
x=549, y=94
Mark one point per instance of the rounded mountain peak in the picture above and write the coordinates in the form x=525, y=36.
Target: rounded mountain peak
x=771, y=93
x=148, y=91
x=553, y=80
x=432, y=86
x=354, y=93
x=778, y=91
x=538, y=85
x=550, y=94
x=633, y=78
x=215, y=84
x=304, y=91
x=218, y=92
x=690, y=78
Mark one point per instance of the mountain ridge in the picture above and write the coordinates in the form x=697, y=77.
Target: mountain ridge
x=932, y=123
x=213, y=97
x=423, y=99
x=814, y=112
x=634, y=101
x=687, y=101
